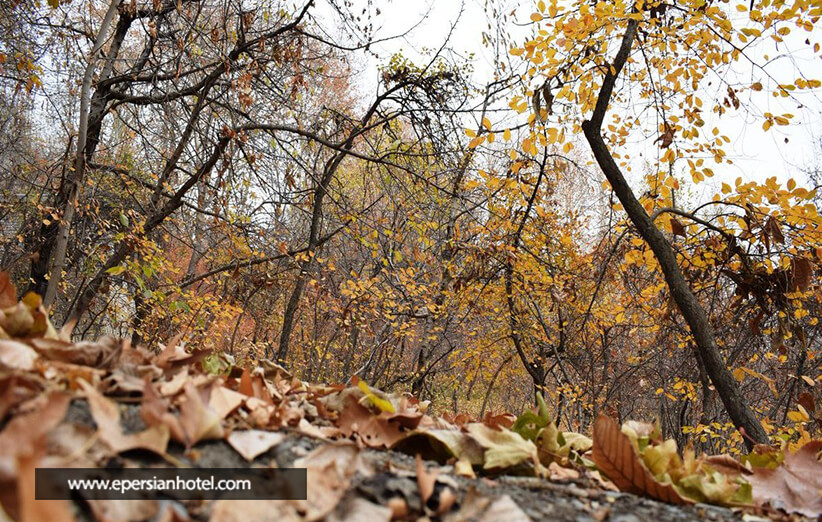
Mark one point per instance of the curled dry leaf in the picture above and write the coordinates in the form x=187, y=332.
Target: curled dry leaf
x=615, y=456
x=198, y=420
x=330, y=468
x=25, y=432
x=441, y=445
x=103, y=353
x=16, y=388
x=374, y=430
x=154, y=410
x=106, y=415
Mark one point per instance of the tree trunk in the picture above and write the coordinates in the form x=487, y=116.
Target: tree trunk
x=74, y=180
x=735, y=403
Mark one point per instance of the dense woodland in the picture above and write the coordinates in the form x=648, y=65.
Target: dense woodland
x=220, y=170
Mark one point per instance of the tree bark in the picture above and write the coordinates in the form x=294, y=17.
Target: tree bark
x=735, y=403
x=75, y=179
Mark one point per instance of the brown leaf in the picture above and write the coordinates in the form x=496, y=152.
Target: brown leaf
x=374, y=430
x=795, y=486
x=677, y=228
x=801, y=273
x=425, y=480
x=774, y=230
x=615, y=456
x=14, y=389
x=106, y=415
x=330, y=468
x=24, y=432
x=17, y=320
x=666, y=138
x=16, y=355
x=248, y=510
x=253, y=443
x=31, y=510
x=199, y=422
x=806, y=400
x=154, y=410
x=103, y=353
x=8, y=294
x=224, y=401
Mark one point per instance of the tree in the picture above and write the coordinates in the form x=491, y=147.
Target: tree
x=577, y=63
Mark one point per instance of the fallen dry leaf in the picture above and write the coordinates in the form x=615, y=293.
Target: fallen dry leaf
x=330, y=468
x=16, y=388
x=503, y=448
x=224, y=401
x=199, y=422
x=795, y=486
x=15, y=355
x=375, y=431
x=31, y=510
x=614, y=455
x=248, y=510
x=425, y=480
x=253, y=443
x=103, y=353
x=106, y=415
x=25, y=432
x=154, y=410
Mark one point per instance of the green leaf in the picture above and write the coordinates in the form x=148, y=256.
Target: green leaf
x=528, y=425
x=116, y=270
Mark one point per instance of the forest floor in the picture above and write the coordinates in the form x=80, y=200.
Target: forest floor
x=387, y=479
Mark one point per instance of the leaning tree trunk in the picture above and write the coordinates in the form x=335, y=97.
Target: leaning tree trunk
x=735, y=403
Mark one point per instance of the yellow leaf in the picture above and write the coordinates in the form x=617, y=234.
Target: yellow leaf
x=507, y=134
x=486, y=123
x=541, y=6
x=536, y=17
x=379, y=402
x=470, y=133
x=808, y=380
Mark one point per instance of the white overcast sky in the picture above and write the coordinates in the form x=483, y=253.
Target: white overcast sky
x=756, y=154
